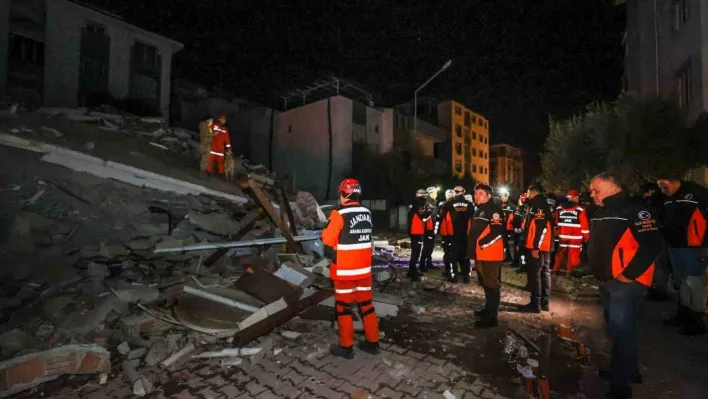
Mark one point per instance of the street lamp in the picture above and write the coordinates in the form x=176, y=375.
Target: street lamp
x=415, y=96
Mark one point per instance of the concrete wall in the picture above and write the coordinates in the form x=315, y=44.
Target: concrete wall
x=63, y=43
x=4, y=43
x=640, y=59
x=302, y=145
x=387, y=130
x=254, y=126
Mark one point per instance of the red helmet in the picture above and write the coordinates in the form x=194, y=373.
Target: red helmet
x=523, y=197
x=573, y=193
x=349, y=186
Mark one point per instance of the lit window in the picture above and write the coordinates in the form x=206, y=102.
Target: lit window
x=458, y=166
x=458, y=148
x=458, y=130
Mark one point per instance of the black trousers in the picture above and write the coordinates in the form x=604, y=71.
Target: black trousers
x=516, y=243
x=426, y=257
x=447, y=257
x=416, y=252
x=460, y=258
x=539, y=276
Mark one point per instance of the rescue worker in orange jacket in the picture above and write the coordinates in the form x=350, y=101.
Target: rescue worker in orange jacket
x=347, y=240
x=486, y=247
x=538, y=239
x=419, y=221
x=445, y=229
x=220, y=145
x=624, y=244
x=572, y=230
x=683, y=223
x=458, y=213
x=426, y=258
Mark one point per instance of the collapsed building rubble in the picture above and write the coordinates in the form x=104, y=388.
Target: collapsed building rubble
x=102, y=271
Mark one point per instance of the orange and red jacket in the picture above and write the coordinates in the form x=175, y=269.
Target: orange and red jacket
x=221, y=143
x=457, y=215
x=347, y=241
x=486, y=233
x=443, y=222
x=508, y=210
x=572, y=225
x=538, y=228
x=624, y=239
x=419, y=217
x=683, y=221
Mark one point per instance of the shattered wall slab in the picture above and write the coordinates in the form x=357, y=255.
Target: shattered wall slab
x=27, y=371
x=264, y=286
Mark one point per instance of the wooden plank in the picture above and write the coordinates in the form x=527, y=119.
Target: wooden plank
x=265, y=286
x=246, y=224
x=263, y=327
x=259, y=197
x=286, y=210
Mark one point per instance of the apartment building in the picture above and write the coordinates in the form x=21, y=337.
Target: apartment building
x=63, y=53
x=507, y=168
x=667, y=55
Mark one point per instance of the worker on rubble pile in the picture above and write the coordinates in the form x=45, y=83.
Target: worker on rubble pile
x=220, y=145
x=624, y=243
x=205, y=137
x=486, y=247
x=683, y=223
x=538, y=237
x=573, y=230
x=460, y=212
x=426, y=258
x=347, y=240
x=444, y=226
x=418, y=216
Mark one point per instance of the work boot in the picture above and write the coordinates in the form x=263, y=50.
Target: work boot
x=336, y=350
x=423, y=269
x=680, y=319
x=482, y=313
x=369, y=347
x=606, y=375
x=694, y=325
x=529, y=308
x=466, y=279
x=545, y=307
x=452, y=280
x=487, y=322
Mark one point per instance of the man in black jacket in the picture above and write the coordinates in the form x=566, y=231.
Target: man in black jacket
x=624, y=244
x=683, y=223
x=460, y=211
x=538, y=239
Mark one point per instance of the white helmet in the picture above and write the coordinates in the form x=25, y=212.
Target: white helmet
x=469, y=198
x=431, y=190
x=449, y=193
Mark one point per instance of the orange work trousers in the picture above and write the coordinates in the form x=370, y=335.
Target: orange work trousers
x=347, y=294
x=567, y=257
x=217, y=158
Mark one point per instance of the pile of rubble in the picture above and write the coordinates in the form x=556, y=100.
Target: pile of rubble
x=99, y=273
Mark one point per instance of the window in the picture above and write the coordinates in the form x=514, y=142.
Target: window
x=680, y=13
x=146, y=55
x=458, y=148
x=480, y=122
x=95, y=28
x=486, y=124
x=684, y=89
x=486, y=155
x=376, y=128
x=474, y=152
x=474, y=119
x=458, y=130
x=458, y=111
x=485, y=141
x=467, y=119
x=474, y=168
x=26, y=50
x=481, y=138
x=474, y=136
x=290, y=128
x=458, y=166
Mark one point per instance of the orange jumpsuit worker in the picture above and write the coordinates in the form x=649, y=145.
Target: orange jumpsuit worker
x=220, y=145
x=572, y=229
x=347, y=240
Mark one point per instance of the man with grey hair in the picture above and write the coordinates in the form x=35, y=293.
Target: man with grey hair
x=624, y=244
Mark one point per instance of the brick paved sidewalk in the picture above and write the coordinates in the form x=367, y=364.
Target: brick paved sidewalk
x=304, y=369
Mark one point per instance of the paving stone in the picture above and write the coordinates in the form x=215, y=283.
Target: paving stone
x=296, y=377
x=397, y=349
x=370, y=385
x=434, y=360
x=321, y=390
x=408, y=388
x=255, y=388
x=287, y=390
x=230, y=390
x=245, y=396
x=387, y=392
x=268, y=395
x=183, y=395
x=429, y=394
x=216, y=381
x=239, y=377
x=416, y=355
x=207, y=393
x=347, y=388
x=387, y=380
x=365, y=372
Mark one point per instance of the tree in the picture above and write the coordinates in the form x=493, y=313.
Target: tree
x=639, y=140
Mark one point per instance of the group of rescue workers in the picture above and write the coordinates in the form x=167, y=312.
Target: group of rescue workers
x=215, y=145
x=622, y=238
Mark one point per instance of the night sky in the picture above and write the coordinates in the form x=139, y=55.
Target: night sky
x=515, y=61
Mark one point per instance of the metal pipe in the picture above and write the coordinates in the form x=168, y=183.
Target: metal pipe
x=234, y=244
x=220, y=299
x=415, y=95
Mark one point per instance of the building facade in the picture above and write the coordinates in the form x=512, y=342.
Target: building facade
x=468, y=136
x=667, y=55
x=507, y=168
x=63, y=54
